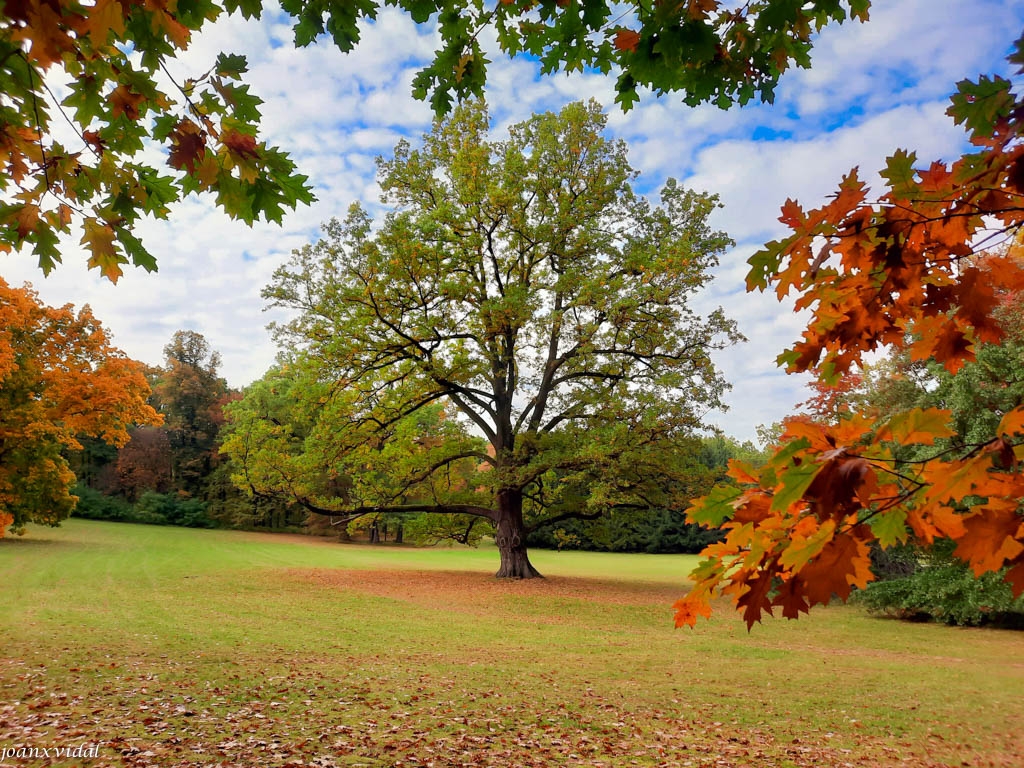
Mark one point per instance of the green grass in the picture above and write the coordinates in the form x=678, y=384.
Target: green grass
x=178, y=647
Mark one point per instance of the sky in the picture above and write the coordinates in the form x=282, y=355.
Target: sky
x=872, y=88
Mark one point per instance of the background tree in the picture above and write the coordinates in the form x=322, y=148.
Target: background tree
x=145, y=463
x=190, y=395
x=173, y=474
x=904, y=271
x=833, y=399
x=60, y=378
x=523, y=284
x=110, y=53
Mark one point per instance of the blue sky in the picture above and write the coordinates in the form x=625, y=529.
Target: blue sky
x=872, y=88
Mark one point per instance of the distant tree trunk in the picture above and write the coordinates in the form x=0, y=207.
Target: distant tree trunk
x=343, y=535
x=510, y=536
x=399, y=534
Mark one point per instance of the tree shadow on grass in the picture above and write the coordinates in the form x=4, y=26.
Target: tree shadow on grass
x=25, y=543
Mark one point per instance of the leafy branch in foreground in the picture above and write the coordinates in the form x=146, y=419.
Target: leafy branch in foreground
x=117, y=60
x=120, y=99
x=918, y=272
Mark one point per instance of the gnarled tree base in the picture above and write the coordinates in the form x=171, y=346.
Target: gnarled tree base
x=516, y=565
x=510, y=536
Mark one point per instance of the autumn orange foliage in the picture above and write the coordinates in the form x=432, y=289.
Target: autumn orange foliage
x=923, y=269
x=60, y=378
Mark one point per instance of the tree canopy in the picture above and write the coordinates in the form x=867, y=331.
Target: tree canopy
x=189, y=393
x=117, y=58
x=933, y=269
x=60, y=379
x=523, y=284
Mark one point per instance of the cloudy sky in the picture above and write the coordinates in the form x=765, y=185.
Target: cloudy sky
x=872, y=88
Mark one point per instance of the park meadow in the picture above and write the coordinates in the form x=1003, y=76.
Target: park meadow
x=157, y=646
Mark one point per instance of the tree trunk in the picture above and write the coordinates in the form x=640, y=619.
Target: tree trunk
x=510, y=537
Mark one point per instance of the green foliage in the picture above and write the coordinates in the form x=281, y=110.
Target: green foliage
x=945, y=589
x=430, y=529
x=654, y=531
x=152, y=508
x=189, y=393
x=94, y=505
x=171, y=509
x=716, y=452
x=657, y=530
x=116, y=58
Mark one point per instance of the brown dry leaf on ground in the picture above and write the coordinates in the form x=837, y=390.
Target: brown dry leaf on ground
x=473, y=592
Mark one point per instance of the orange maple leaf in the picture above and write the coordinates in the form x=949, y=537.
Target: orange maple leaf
x=105, y=16
x=124, y=101
x=700, y=9
x=843, y=563
x=1012, y=422
x=742, y=472
x=756, y=596
x=993, y=535
x=627, y=40
x=942, y=340
x=27, y=217
x=188, y=146
x=689, y=608
x=1015, y=578
x=240, y=144
x=920, y=425
x=791, y=597
x=99, y=237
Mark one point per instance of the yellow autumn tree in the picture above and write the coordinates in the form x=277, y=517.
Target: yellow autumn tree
x=60, y=379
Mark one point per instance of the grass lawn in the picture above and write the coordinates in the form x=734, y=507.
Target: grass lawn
x=173, y=647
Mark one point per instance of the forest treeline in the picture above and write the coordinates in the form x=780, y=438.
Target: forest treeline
x=175, y=474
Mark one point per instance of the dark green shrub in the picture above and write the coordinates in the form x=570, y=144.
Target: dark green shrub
x=655, y=531
x=171, y=509
x=945, y=589
x=93, y=505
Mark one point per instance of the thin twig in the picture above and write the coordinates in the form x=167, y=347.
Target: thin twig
x=35, y=108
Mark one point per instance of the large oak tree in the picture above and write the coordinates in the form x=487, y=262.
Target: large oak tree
x=524, y=284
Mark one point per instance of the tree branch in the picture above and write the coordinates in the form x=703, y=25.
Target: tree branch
x=437, y=509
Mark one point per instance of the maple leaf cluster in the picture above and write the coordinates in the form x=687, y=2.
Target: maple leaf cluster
x=111, y=53
x=60, y=379
x=923, y=269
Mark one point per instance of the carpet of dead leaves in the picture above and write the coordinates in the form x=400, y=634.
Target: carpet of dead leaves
x=329, y=710
x=479, y=593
